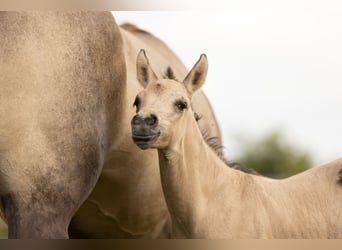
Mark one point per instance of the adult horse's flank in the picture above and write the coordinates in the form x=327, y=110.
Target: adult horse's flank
x=206, y=199
x=67, y=82
x=62, y=76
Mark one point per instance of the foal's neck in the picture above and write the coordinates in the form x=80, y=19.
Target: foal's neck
x=191, y=173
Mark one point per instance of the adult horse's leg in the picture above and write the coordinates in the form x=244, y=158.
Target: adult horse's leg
x=61, y=75
x=45, y=187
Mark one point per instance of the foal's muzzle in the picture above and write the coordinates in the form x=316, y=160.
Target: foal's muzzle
x=144, y=130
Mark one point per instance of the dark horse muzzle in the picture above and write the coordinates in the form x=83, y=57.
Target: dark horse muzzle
x=144, y=130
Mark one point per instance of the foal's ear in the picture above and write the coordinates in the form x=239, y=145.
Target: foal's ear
x=145, y=74
x=196, y=77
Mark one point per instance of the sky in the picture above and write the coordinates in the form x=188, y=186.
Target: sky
x=271, y=67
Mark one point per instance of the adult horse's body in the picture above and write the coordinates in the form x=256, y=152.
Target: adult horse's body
x=206, y=199
x=62, y=76
x=67, y=82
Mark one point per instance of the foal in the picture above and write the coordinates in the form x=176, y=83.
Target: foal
x=206, y=199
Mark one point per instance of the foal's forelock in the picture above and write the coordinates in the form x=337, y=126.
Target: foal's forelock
x=169, y=74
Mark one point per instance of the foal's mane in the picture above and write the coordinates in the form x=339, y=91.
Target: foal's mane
x=216, y=146
x=213, y=142
x=339, y=181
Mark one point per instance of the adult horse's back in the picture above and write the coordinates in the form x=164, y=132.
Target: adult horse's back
x=61, y=79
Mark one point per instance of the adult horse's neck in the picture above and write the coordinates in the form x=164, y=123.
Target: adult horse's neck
x=191, y=173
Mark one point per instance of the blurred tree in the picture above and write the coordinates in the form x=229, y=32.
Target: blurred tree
x=3, y=230
x=273, y=156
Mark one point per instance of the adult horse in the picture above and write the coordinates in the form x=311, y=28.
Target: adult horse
x=67, y=82
x=62, y=76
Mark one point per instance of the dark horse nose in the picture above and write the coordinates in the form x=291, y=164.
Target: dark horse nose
x=150, y=121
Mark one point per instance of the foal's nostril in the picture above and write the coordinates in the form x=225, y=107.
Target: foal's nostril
x=152, y=120
x=139, y=120
x=136, y=120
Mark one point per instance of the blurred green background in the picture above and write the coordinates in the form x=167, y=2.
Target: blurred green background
x=273, y=155
x=3, y=230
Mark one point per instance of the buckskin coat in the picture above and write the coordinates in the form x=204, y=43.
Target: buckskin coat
x=207, y=199
x=67, y=82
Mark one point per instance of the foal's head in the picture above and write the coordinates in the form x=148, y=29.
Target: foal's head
x=164, y=103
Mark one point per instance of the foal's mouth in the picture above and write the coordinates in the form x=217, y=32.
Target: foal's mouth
x=144, y=141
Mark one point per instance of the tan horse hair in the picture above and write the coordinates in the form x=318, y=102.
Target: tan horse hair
x=67, y=83
x=208, y=200
x=130, y=210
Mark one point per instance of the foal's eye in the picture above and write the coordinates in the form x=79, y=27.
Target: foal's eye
x=136, y=103
x=181, y=105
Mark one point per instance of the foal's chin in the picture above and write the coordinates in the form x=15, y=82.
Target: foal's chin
x=145, y=142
